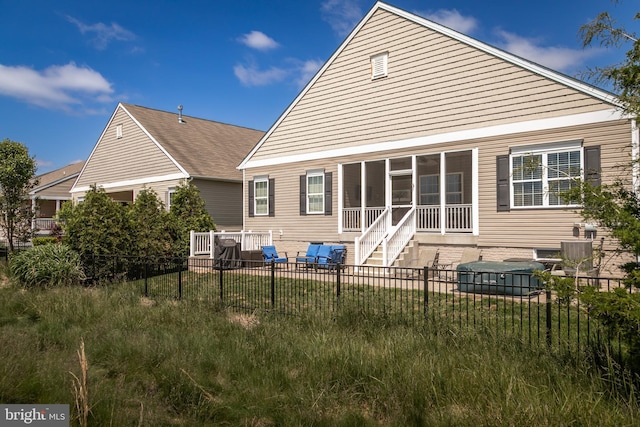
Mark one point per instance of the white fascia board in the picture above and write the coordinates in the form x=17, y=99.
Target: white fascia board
x=155, y=142
x=306, y=89
x=51, y=184
x=538, y=69
x=546, y=72
x=74, y=189
x=113, y=115
x=132, y=182
x=458, y=136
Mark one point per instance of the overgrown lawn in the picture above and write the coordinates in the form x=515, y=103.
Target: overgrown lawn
x=167, y=362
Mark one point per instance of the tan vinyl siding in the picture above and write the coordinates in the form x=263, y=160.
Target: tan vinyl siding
x=523, y=228
x=542, y=228
x=223, y=201
x=58, y=191
x=435, y=85
x=134, y=156
x=317, y=227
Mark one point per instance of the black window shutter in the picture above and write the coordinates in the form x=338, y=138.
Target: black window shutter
x=328, y=187
x=503, y=194
x=303, y=194
x=272, y=197
x=592, y=165
x=251, y=189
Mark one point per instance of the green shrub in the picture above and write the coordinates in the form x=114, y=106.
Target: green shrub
x=46, y=240
x=46, y=265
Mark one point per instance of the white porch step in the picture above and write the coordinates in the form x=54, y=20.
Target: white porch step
x=405, y=259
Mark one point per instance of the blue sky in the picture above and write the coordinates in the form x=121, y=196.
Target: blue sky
x=65, y=65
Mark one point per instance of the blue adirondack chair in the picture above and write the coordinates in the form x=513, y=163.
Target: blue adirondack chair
x=310, y=256
x=329, y=256
x=270, y=254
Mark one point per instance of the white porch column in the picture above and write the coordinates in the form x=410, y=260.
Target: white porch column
x=443, y=193
x=475, y=197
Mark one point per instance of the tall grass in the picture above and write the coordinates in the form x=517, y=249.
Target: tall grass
x=164, y=362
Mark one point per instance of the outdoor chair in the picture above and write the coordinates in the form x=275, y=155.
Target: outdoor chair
x=330, y=256
x=270, y=254
x=309, y=258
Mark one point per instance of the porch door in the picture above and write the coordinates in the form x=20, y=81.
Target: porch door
x=401, y=195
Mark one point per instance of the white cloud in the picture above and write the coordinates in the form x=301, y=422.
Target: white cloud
x=452, y=19
x=56, y=87
x=258, y=40
x=252, y=76
x=558, y=58
x=298, y=71
x=342, y=15
x=103, y=34
x=307, y=71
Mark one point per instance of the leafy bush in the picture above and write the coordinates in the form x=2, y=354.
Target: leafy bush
x=46, y=265
x=47, y=240
x=188, y=212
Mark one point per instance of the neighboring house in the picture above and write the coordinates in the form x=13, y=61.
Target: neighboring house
x=145, y=148
x=51, y=191
x=414, y=134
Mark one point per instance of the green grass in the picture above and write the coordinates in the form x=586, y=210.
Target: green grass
x=166, y=362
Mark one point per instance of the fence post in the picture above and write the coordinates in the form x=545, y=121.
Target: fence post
x=146, y=280
x=180, y=283
x=338, y=269
x=220, y=280
x=548, y=294
x=192, y=243
x=273, y=284
x=425, y=284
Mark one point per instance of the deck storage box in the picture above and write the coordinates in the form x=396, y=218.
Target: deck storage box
x=499, y=278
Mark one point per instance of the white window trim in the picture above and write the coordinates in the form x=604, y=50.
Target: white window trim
x=257, y=180
x=544, y=150
x=170, y=191
x=119, y=131
x=379, y=65
x=312, y=174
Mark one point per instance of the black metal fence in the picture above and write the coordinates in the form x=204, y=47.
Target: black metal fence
x=509, y=303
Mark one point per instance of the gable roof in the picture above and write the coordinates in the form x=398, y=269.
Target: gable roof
x=557, y=77
x=200, y=148
x=49, y=179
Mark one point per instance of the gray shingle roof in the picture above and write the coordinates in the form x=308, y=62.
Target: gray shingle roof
x=204, y=148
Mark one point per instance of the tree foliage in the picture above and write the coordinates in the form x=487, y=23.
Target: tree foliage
x=188, y=213
x=97, y=226
x=150, y=226
x=624, y=77
x=100, y=226
x=17, y=172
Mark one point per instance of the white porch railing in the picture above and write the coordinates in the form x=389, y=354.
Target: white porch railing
x=204, y=243
x=43, y=224
x=398, y=238
x=351, y=217
x=458, y=218
x=372, y=237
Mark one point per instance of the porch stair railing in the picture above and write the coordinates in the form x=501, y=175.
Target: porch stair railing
x=385, y=238
x=372, y=237
x=398, y=237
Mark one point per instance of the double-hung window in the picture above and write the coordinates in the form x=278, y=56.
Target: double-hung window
x=540, y=175
x=261, y=196
x=315, y=192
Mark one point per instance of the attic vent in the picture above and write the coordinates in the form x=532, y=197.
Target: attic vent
x=379, y=65
x=119, y=131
